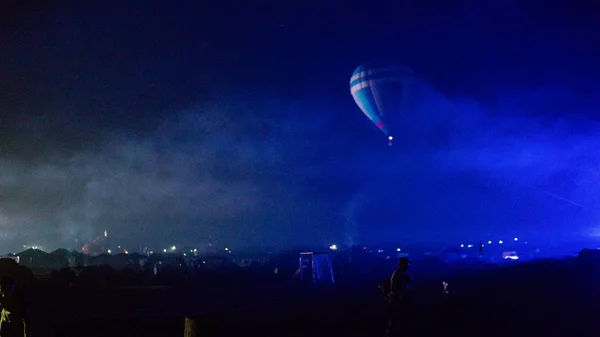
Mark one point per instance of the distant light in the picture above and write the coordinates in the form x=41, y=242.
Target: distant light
x=469, y=246
x=511, y=257
x=151, y=252
x=126, y=252
x=380, y=250
x=184, y=254
x=461, y=246
x=500, y=242
x=105, y=233
x=226, y=248
x=390, y=138
x=489, y=242
x=516, y=239
x=109, y=251
x=165, y=250
x=333, y=247
x=398, y=249
x=195, y=250
x=173, y=248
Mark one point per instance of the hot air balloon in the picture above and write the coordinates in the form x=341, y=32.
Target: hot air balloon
x=382, y=93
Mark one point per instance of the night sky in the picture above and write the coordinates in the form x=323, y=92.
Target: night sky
x=172, y=123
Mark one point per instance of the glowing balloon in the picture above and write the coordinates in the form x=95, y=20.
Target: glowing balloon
x=382, y=93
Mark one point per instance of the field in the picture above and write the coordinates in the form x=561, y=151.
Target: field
x=528, y=300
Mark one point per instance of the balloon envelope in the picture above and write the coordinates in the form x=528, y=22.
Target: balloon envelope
x=382, y=94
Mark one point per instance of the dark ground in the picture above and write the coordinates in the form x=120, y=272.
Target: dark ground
x=529, y=300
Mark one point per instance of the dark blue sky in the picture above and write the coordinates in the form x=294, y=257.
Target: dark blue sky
x=166, y=124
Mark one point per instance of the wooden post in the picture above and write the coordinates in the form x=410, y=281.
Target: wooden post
x=191, y=328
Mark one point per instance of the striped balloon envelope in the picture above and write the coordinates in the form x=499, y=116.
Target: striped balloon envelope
x=382, y=93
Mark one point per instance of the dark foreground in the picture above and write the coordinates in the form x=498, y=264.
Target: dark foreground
x=540, y=300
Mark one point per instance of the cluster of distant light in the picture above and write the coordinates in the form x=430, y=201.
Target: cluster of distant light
x=146, y=251
x=508, y=255
x=33, y=247
x=335, y=247
x=171, y=250
x=462, y=245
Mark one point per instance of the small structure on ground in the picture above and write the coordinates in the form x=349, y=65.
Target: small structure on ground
x=316, y=268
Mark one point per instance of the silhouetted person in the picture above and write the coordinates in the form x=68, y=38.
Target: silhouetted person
x=14, y=315
x=399, y=300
